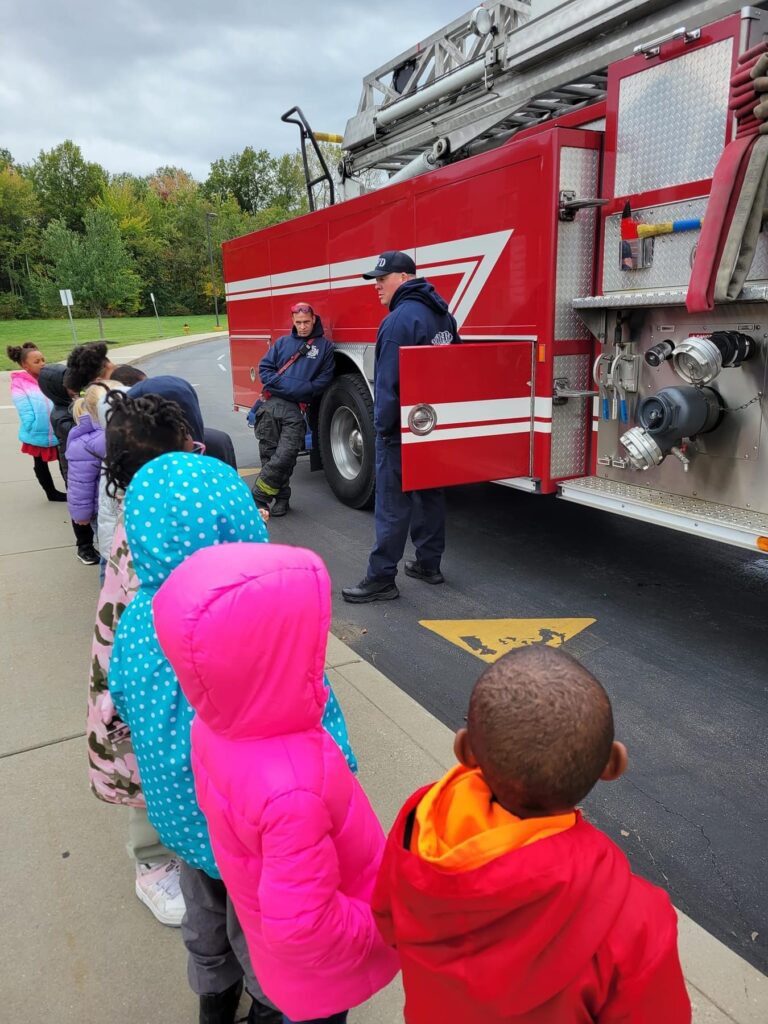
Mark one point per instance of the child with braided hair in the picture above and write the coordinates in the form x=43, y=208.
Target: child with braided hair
x=137, y=431
x=34, y=409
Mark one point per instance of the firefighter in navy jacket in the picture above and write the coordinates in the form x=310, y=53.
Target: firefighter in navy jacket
x=417, y=316
x=295, y=371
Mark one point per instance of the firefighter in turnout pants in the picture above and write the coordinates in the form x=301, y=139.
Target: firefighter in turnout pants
x=417, y=316
x=296, y=370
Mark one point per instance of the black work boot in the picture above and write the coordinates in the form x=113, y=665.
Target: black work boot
x=418, y=572
x=221, y=1007
x=261, y=1014
x=279, y=507
x=371, y=590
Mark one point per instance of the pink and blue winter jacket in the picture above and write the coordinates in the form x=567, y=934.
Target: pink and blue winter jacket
x=245, y=627
x=34, y=410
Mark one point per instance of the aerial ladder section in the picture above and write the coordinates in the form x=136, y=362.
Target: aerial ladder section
x=492, y=73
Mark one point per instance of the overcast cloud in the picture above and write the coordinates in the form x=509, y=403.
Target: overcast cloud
x=139, y=84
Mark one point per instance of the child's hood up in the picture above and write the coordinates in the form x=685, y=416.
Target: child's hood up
x=180, y=502
x=51, y=382
x=245, y=627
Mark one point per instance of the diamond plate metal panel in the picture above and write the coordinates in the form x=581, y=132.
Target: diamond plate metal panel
x=575, y=242
x=759, y=269
x=360, y=354
x=672, y=254
x=672, y=119
x=617, y=300
x=570, y=422
x=745, y=519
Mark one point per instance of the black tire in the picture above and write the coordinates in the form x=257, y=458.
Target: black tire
x=346, y=440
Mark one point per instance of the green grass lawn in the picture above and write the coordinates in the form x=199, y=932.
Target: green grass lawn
x=55, y=336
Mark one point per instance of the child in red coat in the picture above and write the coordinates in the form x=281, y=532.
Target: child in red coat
x=505, y=905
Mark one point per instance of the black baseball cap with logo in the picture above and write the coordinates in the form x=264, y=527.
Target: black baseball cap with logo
x=391, y=262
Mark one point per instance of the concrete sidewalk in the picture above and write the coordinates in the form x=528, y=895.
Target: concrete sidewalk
x=77, y=946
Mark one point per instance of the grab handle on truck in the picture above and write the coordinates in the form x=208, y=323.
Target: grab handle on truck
x=653, y=48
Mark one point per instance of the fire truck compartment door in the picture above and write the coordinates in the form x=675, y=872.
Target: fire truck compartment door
x=466, y=413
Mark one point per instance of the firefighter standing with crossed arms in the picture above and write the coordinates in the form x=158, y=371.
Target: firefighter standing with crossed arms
x=296, y=370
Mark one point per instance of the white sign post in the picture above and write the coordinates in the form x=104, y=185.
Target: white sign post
x=159, y=326
x=66, y=300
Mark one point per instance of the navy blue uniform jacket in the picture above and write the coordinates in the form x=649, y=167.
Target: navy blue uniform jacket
x=417, y=316
x=309, y=376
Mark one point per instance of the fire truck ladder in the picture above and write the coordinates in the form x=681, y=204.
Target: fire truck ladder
x=492, y=73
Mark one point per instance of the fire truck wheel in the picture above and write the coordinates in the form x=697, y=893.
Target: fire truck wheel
x=346, y=440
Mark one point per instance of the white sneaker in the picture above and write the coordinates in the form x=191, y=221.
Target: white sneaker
x=157, y=886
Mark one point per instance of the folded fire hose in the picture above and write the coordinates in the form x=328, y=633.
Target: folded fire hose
x=736, y=206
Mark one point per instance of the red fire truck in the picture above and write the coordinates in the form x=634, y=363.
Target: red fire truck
x=552, y=179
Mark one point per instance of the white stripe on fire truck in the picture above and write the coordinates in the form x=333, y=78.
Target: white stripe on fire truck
x=474, y=258
x=300, y=281
x=484, y=411
x=477, y=430
x=499, y=337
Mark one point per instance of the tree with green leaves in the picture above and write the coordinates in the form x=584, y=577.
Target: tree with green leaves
x=271, y=188
x=95, y=266
x=151, y=230
x=66, y=184
x=19, y=240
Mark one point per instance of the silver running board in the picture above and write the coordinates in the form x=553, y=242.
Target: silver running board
x=740, y=527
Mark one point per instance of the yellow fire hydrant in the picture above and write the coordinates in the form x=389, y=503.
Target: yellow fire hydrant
x=186, y=328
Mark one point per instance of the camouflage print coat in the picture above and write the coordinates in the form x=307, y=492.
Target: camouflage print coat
x=113, y=771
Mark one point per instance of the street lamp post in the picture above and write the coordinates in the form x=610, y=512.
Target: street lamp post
x=208, y=218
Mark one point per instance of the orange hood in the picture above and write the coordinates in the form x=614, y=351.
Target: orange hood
x=460, y=826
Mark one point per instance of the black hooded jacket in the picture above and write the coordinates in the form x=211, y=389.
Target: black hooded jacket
x=306, y=378
x=217, y=443
x=51, y=381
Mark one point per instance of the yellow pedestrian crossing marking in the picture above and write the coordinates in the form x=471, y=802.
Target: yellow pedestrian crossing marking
x=488, y=639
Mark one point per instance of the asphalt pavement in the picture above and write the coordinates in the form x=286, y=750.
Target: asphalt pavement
x=678, y=638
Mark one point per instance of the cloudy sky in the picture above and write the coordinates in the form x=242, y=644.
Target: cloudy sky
x=141, y=83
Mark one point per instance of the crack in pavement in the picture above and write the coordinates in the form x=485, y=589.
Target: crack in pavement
x=710, y=851
x=42, y=746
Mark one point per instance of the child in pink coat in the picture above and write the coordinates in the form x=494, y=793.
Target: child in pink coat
x=245, y=628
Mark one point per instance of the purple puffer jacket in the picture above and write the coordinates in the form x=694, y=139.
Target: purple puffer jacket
x=86, y=448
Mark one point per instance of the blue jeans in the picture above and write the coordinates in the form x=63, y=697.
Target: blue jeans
x=337, y=1018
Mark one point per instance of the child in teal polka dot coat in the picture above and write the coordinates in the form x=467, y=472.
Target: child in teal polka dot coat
x=175, y=505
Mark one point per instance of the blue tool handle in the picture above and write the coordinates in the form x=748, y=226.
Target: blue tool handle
x=686, y=225
x=606, y=409
x=624, y=417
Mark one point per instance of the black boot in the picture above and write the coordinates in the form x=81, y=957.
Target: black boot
x=371, y=590
x=417, y=571
x=221, y=1007
x=44, y=478
x=279, y=507
x=261, y=1014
